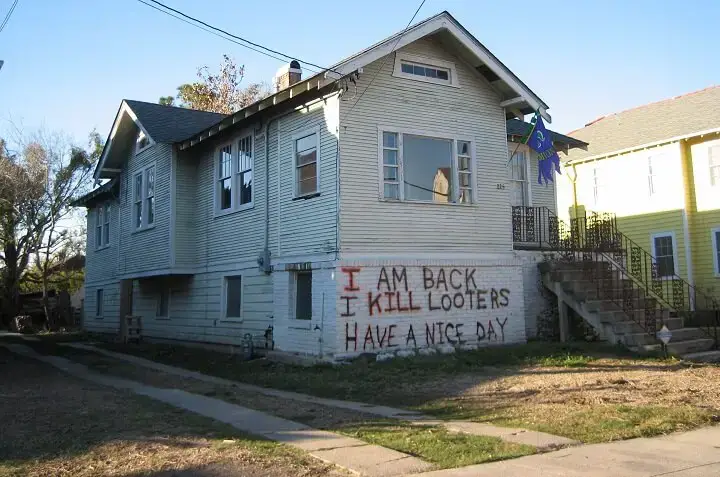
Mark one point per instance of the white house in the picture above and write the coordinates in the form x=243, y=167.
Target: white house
x=314, y=221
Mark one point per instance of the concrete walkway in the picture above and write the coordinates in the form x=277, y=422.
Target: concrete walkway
x=352, y=454
x=541, y=440
x=690, y=454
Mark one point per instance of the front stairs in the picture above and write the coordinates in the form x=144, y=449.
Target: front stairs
x=622, y=312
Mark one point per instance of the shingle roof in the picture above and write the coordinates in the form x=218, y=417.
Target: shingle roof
x=168, y=124
x=515, y=127
x=675, y=117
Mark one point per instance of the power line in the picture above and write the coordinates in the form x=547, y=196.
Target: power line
x=372, y=80
x=288, y=57
x=9, y=14
x=216, y=34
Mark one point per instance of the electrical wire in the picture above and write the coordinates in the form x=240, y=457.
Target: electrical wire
x=9, y=14
x=284, y=60
x=372, y=80
x=257, y=45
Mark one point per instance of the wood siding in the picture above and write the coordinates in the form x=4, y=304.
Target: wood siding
x=369, y=225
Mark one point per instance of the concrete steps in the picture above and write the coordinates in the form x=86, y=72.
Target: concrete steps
x=599, y=294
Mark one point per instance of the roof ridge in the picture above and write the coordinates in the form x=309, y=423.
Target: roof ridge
x=684, y=95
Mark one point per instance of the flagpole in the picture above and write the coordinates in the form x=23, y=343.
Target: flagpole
x=525, y=138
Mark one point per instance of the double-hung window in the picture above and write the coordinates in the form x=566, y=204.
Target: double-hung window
x=519, y=183
x=234, y=175
x=655, y=164
x=426, y=169
x=102, y=226
x=716, y=249
x=714, y=164
x=232, y=297
x=663, y=250
x=144, y=198
x=306, y=154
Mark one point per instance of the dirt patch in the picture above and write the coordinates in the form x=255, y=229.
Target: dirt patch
x=54, y=424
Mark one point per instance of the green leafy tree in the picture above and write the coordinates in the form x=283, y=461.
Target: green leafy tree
x=219, y=93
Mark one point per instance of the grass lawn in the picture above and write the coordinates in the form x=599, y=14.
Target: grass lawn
x=437, y=445
x=585, y=391
x=54, y=424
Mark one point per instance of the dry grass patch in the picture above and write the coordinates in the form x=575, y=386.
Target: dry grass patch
x=54, y=424
x=603, y=401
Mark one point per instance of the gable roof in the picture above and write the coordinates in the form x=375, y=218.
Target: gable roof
x=518, y=129
x=515, y=95
x=670, y=119
x=170, y=124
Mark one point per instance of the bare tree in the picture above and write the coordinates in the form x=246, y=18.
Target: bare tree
x=37, y=189
x=219, y=93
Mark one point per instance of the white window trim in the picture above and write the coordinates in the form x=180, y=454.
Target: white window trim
x=99, y=304
x=716, y=262
x=168, y=290
x=528, y=186
x=401, y=176
x=223, y=297
x=234, y=176
x=143, y=190
x=710, y=168
x=676, y=261
x=306, y=132
x=294, y=322
x=424, y=60
x=150, y=143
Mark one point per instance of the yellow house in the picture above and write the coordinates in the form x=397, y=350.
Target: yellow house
x=657, y=167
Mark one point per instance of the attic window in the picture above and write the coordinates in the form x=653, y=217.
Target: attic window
x=430, y=70
x=142, y=143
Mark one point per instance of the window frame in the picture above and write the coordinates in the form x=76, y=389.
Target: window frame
x=142, y=200
x=295, y=137
x=653, y=175
x=715, y=249
x=235, y=175
x=99, y=303
x=167, y=291
x=401, y=57
x=294, y=302
x=224, y=295
x=102, y=225
x=455, y=186
x=527, y=188
x=712, y=167
x=676, y=262
x=142, y=135
x=598, y=185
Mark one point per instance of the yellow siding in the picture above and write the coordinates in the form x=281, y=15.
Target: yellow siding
x=639, y=228
x=701, y=239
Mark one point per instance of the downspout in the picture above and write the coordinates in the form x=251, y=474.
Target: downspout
x=264, y=260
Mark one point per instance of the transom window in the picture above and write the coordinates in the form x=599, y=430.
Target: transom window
x=306, y=151
x=234, y=173
x=144, y=198
x=421, y=68
x=714, y=163
x=663, y=249
x=441, y=74
x=102, y=226
x=426, y=169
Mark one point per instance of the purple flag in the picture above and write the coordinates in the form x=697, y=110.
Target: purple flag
x=539, y=141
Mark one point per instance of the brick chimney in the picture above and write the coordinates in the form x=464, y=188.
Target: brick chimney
x=287, y=75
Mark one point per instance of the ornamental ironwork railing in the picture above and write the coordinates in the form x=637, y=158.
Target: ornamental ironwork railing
x=621, y=270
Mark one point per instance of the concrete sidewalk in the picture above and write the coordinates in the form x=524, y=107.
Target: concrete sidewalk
x=690, y=454
x=541, y=440
x=352, y=454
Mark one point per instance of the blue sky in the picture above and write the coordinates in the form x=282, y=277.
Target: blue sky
x=68, y=63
